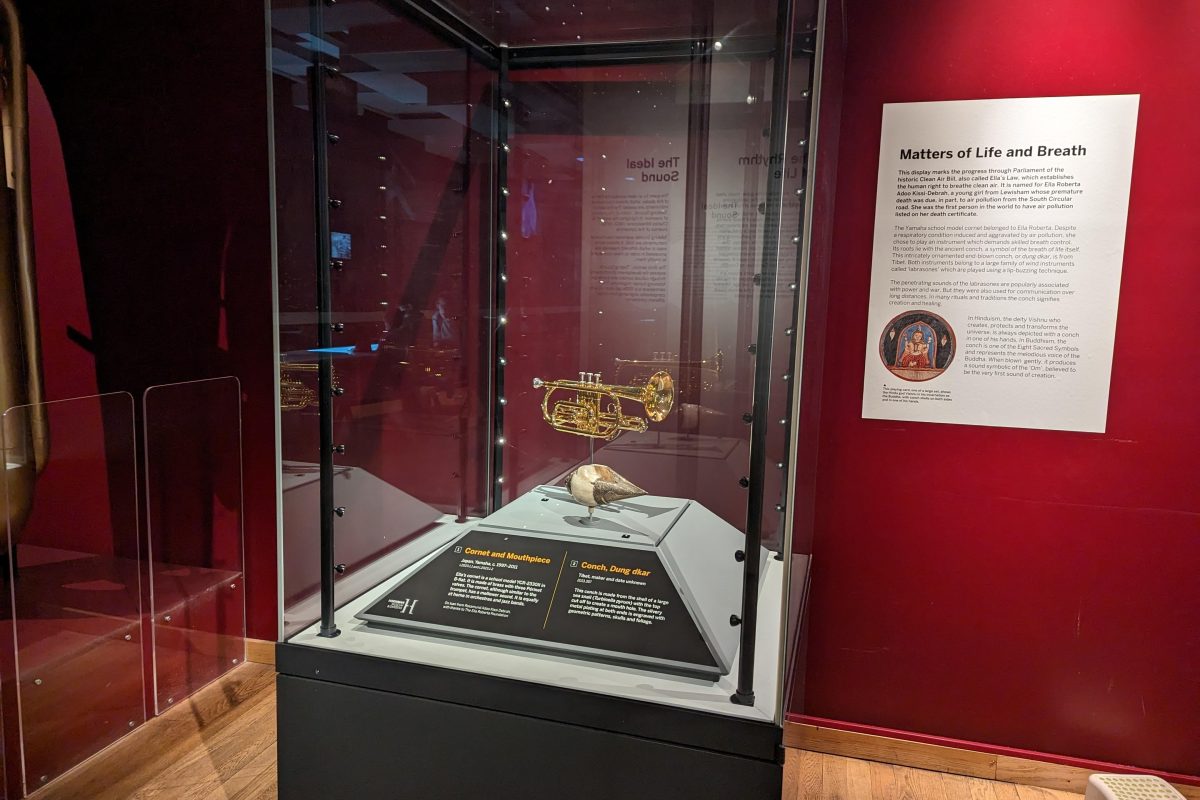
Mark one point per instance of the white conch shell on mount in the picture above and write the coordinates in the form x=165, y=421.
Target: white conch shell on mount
x=597, y=485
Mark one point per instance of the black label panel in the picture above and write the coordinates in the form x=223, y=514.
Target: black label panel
x=562, y=594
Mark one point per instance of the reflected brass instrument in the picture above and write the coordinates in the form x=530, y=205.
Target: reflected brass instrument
x=596, y=412
x=26, y=431
x=294, y=393
x=705, y=371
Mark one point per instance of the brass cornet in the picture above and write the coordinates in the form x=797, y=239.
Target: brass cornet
x=596, y=410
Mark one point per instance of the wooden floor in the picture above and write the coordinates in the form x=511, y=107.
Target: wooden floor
x=817, y=776
x=220, y=745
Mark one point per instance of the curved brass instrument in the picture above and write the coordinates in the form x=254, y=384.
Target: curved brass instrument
x=26, y=433
x=596, y=411
x=294, y=393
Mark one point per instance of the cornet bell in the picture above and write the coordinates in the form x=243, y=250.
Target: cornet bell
x=660, y=396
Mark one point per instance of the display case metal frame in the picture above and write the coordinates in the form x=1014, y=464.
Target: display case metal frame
x=665, y=724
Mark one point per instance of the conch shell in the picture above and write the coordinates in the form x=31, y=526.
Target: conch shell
x=597, y=485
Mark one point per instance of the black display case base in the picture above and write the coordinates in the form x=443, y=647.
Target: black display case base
x=362, y=728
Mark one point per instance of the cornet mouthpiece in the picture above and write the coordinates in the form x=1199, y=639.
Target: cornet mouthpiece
x=538, y=383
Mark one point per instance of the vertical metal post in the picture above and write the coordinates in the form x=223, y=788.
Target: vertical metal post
x=503, y=111
x=695, y=221
x=784, y=35
x=814, y=45
x=322, y=203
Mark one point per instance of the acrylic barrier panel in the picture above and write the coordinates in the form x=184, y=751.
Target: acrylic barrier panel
x=194, y=527
x=74, y=580
x=410, y=171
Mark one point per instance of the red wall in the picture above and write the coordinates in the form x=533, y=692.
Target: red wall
x=1042, y=592
x=149, y=159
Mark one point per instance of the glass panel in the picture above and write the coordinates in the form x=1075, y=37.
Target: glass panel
x=296, y=233
x=74, y=578
x=659, y=173
x=194, y=527
x=410, y=171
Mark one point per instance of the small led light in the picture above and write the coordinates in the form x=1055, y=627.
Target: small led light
x=503, y=278
x=749, y=99
x=500, y=440
x=780, y=465
x=503, y=361
x=383, y=188
x=383, y=158
x=783, y=422
x=504, y=148
x=503, y=320
x=717, y=46
x=383, y=216
x=383, y=247
x=503, y=402
x=383, y=302
x=504, y=191
x=504, y=236
x=795, y=240
x=507, y=103
x=603, y=155
x=500, y=479
x=383, y=274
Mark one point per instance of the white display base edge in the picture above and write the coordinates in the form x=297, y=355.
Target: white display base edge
x=563, y=671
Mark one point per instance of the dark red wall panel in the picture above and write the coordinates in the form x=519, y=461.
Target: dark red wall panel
x=152, y=202
x=1040, y=591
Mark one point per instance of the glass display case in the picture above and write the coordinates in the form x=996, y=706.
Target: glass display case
x=540, y=278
